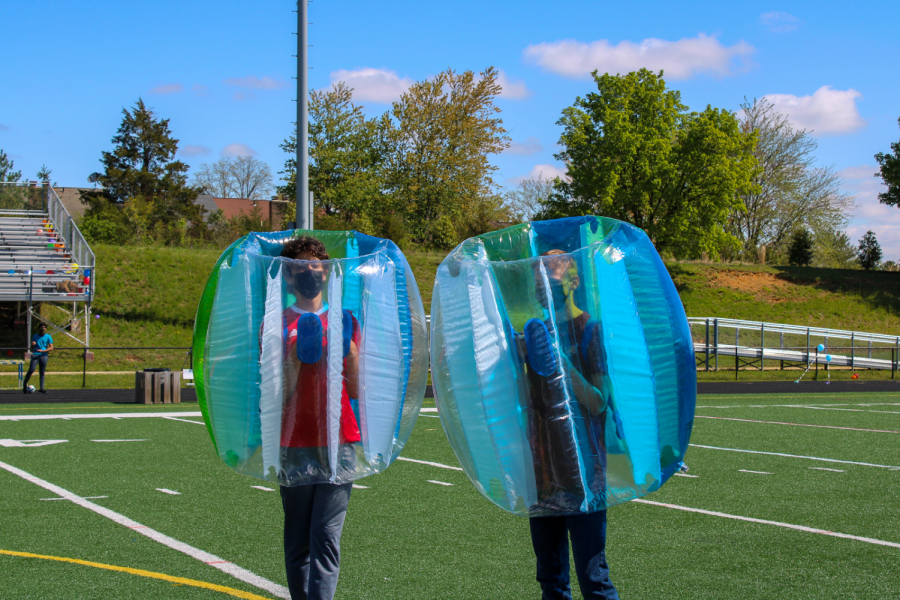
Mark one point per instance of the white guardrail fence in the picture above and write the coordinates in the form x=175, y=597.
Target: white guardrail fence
x=752, y=343
x=748, y=345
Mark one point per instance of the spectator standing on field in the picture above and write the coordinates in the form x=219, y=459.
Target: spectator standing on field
x=41, y=346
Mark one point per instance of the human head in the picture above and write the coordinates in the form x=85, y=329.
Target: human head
x=42, y=329
x=562, y=273
x=307, y=278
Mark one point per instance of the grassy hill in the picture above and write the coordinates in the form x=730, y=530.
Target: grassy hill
x=147, y=296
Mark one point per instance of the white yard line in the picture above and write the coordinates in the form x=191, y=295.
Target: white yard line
x=756, y=472
x=795, y=424
x=431, y=416
x=803, y=405
x=85, y=497
x=766, y=522
x=827, y=469
x=120, y=440
x=360, y=487
x=686, y=475
x=185, y=420
x=831, y=460
x=430, y=464
x=438, y=482
x=101, y=416
x=167, y=491
x=211, y=559
x=882, y=412
x=262, y=487
x=428, y=410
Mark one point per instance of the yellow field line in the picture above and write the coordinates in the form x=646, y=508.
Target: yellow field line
x=142, y=573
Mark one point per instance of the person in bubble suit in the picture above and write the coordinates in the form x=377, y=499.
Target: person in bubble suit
x=313, y=513
x=557, y=479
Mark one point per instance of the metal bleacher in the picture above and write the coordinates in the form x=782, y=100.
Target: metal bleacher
x=43, y=256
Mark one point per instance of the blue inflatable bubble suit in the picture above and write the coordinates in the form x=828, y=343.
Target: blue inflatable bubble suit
x=310, y=371
x=563, y=365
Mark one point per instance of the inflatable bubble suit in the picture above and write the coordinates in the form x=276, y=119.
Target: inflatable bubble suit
x=275, y=382
x=566, y=382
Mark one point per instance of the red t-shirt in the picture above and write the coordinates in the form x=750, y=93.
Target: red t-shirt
x=304, y=421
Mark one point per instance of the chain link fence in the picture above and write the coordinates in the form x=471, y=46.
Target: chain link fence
x=93, y=368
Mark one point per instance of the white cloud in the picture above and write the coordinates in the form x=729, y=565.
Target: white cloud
x=199, y=90
x=827, y=111
x=238, y=150
x=382, y=86
x=681, y=59
x=251, y=82
x=529, y=147
x=869, y=213
x=194, y=150
x=544, y=172
x=779, y=22
x=167, y=88
x=513, y=89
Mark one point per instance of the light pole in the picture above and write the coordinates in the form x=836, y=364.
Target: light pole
x=304, y=214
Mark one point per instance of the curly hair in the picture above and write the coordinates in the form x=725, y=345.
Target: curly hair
x=305, y=244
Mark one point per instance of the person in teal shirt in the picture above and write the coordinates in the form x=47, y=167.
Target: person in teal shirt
x=41, y=346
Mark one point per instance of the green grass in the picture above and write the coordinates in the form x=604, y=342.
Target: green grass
x=407, y=538
x=835, y=298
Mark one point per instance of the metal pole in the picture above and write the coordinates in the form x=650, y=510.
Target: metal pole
x=312, y=212
x=302, y=177
x=782, y=350
x=852, y=347
x=737, y=338
x=84, y=368
x=716, y=340
x=762, y=345
x=707, y=345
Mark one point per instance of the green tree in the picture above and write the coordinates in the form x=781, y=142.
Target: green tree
x=834, y=250
x=142, y=169
x=789, y=191
x=6, y=169
x=346, y=154
x=44, y=173
x=800, y=253
x=439, y=136
x=890, y=174
x=869, y=253
x=635, y=153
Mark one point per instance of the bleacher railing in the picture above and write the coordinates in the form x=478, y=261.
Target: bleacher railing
x=754, y=344
x=66, y=226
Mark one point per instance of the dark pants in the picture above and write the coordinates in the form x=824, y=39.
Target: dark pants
x=37, y=361
x=550, y=538
x=313, y=520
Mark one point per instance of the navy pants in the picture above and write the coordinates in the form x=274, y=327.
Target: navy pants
x=313, y=520
x=41, y=363
x=550, y=538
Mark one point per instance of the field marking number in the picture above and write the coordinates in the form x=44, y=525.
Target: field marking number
x=29, y=443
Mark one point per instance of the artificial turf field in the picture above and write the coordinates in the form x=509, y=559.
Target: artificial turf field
x=410, y=535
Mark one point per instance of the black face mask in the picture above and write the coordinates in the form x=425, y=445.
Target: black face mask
x=558, y=293
x=309, y=283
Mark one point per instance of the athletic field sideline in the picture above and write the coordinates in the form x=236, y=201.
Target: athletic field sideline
x=786, y=497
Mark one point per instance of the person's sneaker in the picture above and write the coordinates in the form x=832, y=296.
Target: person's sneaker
x=43, y=391
x=25, y=389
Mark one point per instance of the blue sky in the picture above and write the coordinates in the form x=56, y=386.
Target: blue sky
x=222, y=72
